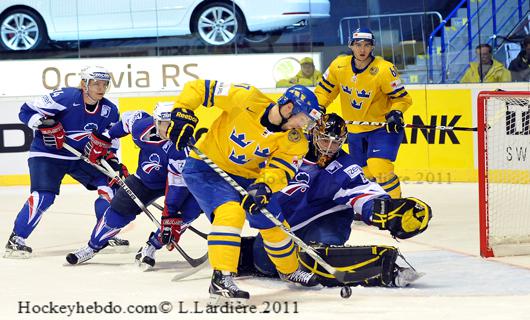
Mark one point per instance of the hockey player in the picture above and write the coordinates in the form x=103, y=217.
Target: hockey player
x=83, y=115
x=158, y=173
x=370, y=90
x=259, y=142
x=321, y=202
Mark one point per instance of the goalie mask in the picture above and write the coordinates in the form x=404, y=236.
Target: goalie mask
x=329, y=134
x=162, y=118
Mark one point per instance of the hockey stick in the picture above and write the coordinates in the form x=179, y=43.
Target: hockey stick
x=109, y=172
x=187, y=226
x=414, y=126
x=341, y=276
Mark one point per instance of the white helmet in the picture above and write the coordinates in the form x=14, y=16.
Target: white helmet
x=162, y=116
x=94, y=73
x=162, y=111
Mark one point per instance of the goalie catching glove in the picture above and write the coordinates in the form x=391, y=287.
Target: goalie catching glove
x=404, y=218
x=183, y=122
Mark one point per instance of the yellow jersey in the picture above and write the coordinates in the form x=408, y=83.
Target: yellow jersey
x=236, y=141
x=365, y=95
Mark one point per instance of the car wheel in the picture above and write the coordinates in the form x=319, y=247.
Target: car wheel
x=218, y=24
x=22, y=29
x=259, y=38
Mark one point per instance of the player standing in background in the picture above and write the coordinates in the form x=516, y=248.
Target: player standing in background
x=259, y=143
x=158, y=173
x=327, y=194
x=370, y=90
x=83, y=115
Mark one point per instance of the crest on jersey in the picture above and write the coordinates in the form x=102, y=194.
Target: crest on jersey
x=333, y=167
x=105, y=111
x=363, y=93
x=239, y=138
x=346, y=89
x=374, y=70
x=294, y=135
x=356, y=105
x=152, y=164
x=299, y=183
x=91, y=126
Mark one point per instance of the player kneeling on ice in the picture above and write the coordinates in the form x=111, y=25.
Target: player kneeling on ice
x=159, y=165
x=321, y=202
x=83, y=115
x=259, y=143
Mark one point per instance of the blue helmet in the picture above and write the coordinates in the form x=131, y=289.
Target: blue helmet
x=303, y=99
x=362, y=34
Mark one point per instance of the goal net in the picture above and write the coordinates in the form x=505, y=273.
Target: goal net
x=504, y=172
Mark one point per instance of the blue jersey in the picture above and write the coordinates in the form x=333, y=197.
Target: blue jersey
x=315, y=192
x=66, y=106
x=159, y=163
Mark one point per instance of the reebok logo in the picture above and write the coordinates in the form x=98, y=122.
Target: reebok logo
x=189, y=117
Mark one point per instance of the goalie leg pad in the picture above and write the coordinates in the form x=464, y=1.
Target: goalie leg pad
x=374, y=265
x=404, y=218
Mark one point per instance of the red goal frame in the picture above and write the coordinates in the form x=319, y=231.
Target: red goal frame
x=485, y=249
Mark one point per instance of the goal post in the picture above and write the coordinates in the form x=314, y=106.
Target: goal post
x=503, y=121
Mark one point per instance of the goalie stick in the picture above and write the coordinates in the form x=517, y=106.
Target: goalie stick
x=415, y=126
x=108, y=171
x=341, y=276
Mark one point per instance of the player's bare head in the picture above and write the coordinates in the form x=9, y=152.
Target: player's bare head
x=298, y=108
x=362, y=43
x=95, y=81
x=162, y=118
x=329, y=134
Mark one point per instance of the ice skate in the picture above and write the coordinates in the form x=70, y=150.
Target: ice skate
x=406, y=276
x=304, y=278
x=16, y=248
x=224, y=290
x=145, y=258
x=81, y=255
x=119, y=245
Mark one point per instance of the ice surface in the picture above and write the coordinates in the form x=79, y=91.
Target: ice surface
x=458, y=283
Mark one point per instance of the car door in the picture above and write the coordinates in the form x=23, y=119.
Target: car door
x=104, y=19
x=160, y=17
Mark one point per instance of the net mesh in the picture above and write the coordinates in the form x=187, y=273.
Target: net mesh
x=508, y=169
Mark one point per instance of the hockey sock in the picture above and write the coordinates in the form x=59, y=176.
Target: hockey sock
x=153, y=240
x=225, y=236
x=383, y=171
x=102, y=203
x=31, y=213
x=281, y=249
x=107, y=227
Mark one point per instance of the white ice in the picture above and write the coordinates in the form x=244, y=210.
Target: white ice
x=458, y=283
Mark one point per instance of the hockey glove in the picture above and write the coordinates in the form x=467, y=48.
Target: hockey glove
x=258, y=197
x=117, y=166
x=183, y=122
x=394, y=121
x=97, y=147
x=404, y=218
x=170, y=229
x=52, y=133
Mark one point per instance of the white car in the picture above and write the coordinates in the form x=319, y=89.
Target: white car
x=30, y=24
